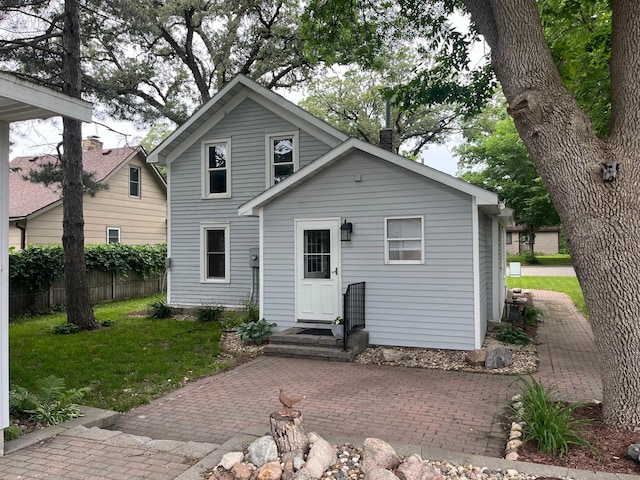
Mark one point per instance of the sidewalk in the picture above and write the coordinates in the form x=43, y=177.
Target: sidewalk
x=430, y=409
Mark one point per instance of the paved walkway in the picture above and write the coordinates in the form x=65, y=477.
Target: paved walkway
x=455, y=411
x=545, y=271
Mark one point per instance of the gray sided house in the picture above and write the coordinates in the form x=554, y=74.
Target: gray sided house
x=252, y=173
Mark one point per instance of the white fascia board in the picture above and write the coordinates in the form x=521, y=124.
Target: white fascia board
x=481, y=196
x=305, y=121
x=158, y=155
x=251, y=207
x=36, y=101
x=167, y=150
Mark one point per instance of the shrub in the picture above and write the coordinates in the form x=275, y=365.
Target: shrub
x=210, y=313
x=37, y=267
x=512, y=335
x=548, y=421
x=256, y=332
x=107, y=322
x=251, y=310
x=160, y=309
x=529, y=258
x=66, y=329
x=50, y=404
x=12, y=432
x=531, y=315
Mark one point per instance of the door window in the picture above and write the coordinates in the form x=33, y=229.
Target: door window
x=317, y=254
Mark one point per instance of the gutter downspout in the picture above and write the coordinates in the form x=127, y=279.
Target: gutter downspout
x=22, y=226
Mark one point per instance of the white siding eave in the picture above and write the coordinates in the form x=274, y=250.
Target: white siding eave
x=219, y=107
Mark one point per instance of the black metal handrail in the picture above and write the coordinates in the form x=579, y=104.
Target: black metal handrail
x=353, y=311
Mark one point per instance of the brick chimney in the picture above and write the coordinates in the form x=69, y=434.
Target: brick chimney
x=386, y=134
x=386, y=139
x=92, y=142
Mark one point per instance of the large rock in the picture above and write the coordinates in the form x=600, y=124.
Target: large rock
x=303, y=474
x=263, y=450
x=414, y=468
x=379, y=474
x=270, y=471
x=498, y=358
x=392, y=355
x=296, y=456
x=229, y=459
x=241, y=471
x=476, y=358
x=634, y=451
x=321, y=456
x=287, y=470
x=378, y=454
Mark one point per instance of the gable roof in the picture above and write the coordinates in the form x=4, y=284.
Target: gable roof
x=487, y=201
x=227, y=98
x=28, y=198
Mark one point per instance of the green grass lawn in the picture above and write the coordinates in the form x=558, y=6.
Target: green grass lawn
x=568, y=285
x=128, y=364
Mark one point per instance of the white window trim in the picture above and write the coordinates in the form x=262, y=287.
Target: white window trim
x=269, y=151
x=386, y=242
x=203, y=252
x=205, y=170
x=131, y=167
x=117, y=229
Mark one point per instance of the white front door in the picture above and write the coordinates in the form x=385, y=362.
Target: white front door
x=318, y=270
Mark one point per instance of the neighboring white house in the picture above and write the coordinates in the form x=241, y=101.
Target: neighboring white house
x=20, y=101
x=251, y=173
x=547, y=240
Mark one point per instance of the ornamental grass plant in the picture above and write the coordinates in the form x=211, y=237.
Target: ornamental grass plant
x=548, y=421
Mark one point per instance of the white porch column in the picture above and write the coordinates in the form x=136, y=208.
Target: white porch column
x=4, y=279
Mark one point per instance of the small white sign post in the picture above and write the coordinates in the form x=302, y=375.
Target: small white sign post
x=514, y=269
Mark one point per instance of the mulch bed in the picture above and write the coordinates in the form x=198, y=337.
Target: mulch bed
x=610, y=447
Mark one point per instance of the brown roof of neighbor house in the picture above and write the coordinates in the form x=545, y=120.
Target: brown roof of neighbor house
x=27, y=198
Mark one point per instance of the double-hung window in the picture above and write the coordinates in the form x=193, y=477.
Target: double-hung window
x=216, y=168
x=282, y=156
x=214, y=239
x=134, y=182
x=404, y=239
x=113, y=235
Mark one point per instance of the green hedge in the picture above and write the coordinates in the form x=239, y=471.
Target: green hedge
x=37, y=267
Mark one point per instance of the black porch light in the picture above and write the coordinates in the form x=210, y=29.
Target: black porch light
x=345, y=231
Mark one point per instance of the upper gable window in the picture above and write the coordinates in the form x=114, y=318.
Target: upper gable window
x=134, y=182
x=404, y=239
x=282, y=156
x=216, y=166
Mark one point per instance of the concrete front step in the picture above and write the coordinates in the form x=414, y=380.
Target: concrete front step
x=291, y=343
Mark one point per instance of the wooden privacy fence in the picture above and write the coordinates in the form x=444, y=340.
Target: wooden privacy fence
x=103, y=287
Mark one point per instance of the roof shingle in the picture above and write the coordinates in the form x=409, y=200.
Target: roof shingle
x=27, y=198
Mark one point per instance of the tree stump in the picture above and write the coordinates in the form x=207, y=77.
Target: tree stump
x=287, y=430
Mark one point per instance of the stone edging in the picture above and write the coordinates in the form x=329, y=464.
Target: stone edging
x=515, y=434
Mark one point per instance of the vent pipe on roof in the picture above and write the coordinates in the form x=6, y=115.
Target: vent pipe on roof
x=92, y=142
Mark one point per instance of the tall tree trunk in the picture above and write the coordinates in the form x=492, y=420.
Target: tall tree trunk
x=78, y=303
x=601, y=219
